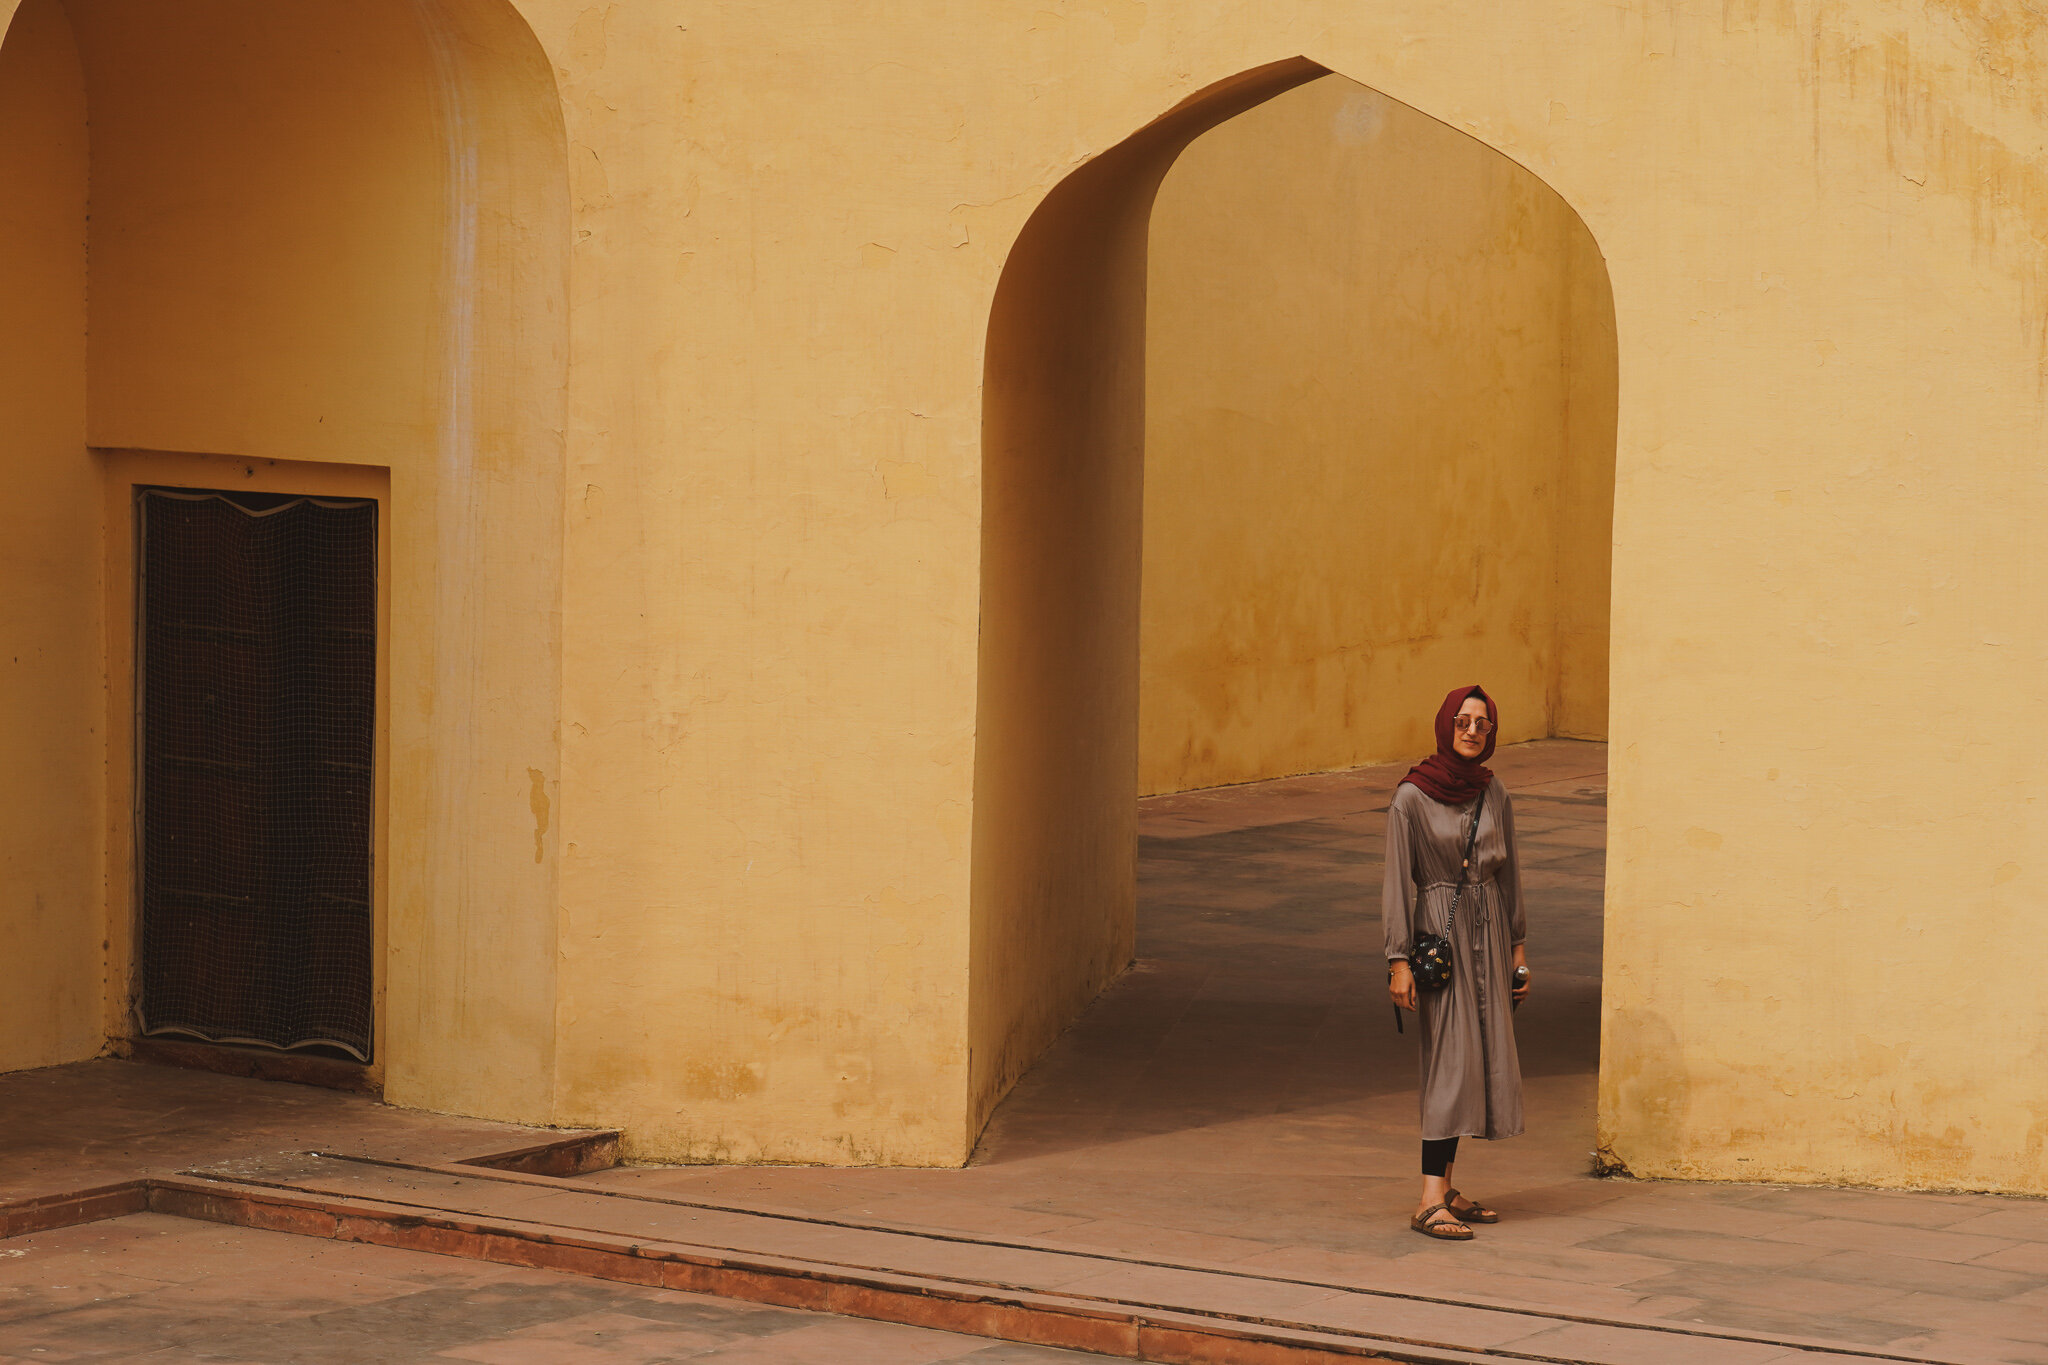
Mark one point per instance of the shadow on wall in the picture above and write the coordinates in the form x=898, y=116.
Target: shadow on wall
x=1066, y=501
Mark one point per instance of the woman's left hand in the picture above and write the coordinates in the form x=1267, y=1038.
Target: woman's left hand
x=1521, y=964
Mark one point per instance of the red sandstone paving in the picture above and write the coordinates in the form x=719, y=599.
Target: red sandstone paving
x=2028, y=1258
x=2026, y=1224
x=2015, y=1321
x=273, y=1298
x=1833, y=1233
x=1159, y=1286
x=1598, y=1345
x=72, y=1127
x=1973, y=1347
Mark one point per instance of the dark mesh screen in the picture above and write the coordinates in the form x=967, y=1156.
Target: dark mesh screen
x=257, y=669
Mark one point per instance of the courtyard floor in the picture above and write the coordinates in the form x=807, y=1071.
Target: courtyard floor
x=198, y=1291
x=1224, y=1142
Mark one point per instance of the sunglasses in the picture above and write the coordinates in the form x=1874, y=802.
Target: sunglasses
x=1478, y=725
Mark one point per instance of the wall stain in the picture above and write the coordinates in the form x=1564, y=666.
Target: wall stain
x=723, y=1080
x=538, y=800
x=1932, y=143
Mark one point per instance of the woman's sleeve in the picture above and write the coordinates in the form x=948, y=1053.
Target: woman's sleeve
x=1511, y=878
x=1397, y=898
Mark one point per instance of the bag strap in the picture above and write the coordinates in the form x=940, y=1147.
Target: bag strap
x=1465, y=871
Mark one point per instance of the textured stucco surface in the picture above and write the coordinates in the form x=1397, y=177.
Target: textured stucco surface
x=50, y=909
x=1364, y=339
x=311, y=229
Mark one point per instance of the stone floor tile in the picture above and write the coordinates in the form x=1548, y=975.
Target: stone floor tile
x=1659, y=1211
x=19, y=1301
x=2010, y=1320
x=603, y=1338
x=1971, y=1348
x=845, y=1341
x=1535, y=1234
x=1320, y=1265
x=300, y=1293
x=1567, y=1268
x=1908, y=1274
x=962, y=1261
x=1018, y=1353
x=1712, y=1248
x=968, y=1216
x=1490, y=1286
x=1153, y=1241
x=1160, y=1287
x=1907, y=1208
x=1597, y=1345
x=1414, y=1320
x=1921, y=1243
x=2022, y=1221
x=1572, y=1198
x=1767, y=1288
x=152, y=1119
x=103, y=1329
x=1792, y=1322
x=136, y=1244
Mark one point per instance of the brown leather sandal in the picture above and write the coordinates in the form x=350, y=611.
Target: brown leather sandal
x=1454, y=1231
x=1471, y=1213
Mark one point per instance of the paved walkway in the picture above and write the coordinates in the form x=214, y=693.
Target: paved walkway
x=151, y=1288
x=71, y=1128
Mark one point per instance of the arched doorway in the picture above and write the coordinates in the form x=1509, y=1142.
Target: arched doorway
x=1171, y=602
x=319, y=249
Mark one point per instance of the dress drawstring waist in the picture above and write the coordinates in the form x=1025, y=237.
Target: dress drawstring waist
x=1487, y=880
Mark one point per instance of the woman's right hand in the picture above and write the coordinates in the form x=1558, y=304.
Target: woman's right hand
x=1401, y=983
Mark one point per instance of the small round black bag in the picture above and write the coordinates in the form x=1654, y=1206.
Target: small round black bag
x=1430, y=962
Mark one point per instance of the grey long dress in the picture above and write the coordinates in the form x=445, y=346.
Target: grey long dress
x=1471, y=1075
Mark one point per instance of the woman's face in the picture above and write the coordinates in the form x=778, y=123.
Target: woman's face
x=1469, y=730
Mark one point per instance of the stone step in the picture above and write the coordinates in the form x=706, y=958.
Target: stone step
x=1012, y=1289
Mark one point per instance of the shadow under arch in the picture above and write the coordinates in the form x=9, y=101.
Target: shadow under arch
x=334, y=233
x=1054, y=856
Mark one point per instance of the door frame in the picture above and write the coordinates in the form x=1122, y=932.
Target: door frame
x=121, y=472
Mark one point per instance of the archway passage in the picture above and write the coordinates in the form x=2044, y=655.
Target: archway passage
x=1250, y=1060
x=1271, y=464
x=1240, y=1099
x=1344, y=392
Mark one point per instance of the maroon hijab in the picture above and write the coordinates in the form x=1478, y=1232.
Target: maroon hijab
x=1447, y=775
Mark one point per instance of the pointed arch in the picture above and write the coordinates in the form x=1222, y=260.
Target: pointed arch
x=1057, y=765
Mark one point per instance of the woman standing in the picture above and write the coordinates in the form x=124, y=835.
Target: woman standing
x=1471, y=1076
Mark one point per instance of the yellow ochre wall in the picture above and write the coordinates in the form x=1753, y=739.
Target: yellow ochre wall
x=51, y=746
x=310, y=227
x=1585, y=496
x=752, y=328
x=1362, y=453
x=776, y=520
x=312, y=224
x=1054, y=909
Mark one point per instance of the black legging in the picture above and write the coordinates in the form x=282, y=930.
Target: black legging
x=1438, y=1154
